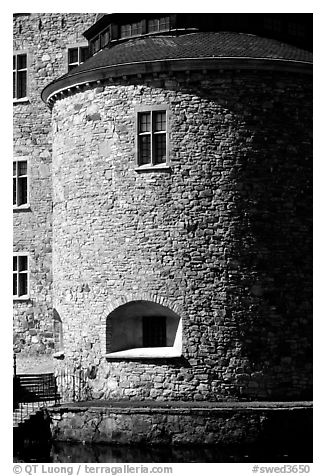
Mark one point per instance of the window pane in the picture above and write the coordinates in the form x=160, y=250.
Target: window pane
x=14, y=84
x=97, y=44
x=21, y=84
x=22, y=190
x=144, y=150
x=14, y=191
x=14, y=261
x=164, y=23
x=21, y=62
x=14, y=169
x=144, y=122
x=105, y=38
x=136, y=28
x=154, y=331
x=73, y=55
x=153, y=25
x=125, y=31
x=15, y=284
x=159, y=121
x=22, y=167
x=83, y=54
x=14, y=62
x=22, y=263
x=159, y=148
x=22, y=284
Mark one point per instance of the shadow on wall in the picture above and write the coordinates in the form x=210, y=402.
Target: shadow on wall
x=267, y=191
x=269, y=246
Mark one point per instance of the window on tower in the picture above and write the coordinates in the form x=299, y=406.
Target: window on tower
x=152, y=149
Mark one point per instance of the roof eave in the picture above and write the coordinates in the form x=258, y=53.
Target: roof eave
x=102, y=73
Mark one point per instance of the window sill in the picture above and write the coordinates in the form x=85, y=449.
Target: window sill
x=21, y=298
x=146, y=353
x=21, y=100
x=152, y=168
x=22, y=208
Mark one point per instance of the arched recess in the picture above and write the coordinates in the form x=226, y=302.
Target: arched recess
x=143, y=329
x=57, y=332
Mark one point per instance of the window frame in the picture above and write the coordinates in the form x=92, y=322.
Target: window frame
x=22, y=297
x=26, y=205
x=77, y=46
x=152, y=109
x=26, y=97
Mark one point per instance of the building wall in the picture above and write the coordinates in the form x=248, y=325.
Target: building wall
x=223, y=240
x=44, y=37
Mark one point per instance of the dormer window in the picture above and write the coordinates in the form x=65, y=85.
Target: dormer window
x=119, y=30
x=158, y=24
x=131, y=29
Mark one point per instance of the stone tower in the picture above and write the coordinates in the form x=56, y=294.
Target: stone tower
x=181, y=170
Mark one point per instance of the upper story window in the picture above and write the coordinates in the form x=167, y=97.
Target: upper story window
x=273, y=24
x=20, y=275
x=296, y=30
x=158, y=24
x=152, y=137
x=19, y=76
x=20, y=183
x=100, y=41
x=116, y=31
x=131, y=29
x=77, y=56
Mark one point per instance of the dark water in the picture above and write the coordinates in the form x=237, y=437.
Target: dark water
x=98, y=453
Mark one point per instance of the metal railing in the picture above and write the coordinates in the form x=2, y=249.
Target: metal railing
x=73, y=385
x=31, y=392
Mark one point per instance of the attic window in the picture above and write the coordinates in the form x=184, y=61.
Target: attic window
x=131, y=29
x=158, y=24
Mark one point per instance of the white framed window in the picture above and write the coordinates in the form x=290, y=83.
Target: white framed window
x=152, y=137
x=20, y=276
x=77, y=55
x=20, y=75
x=20, y=183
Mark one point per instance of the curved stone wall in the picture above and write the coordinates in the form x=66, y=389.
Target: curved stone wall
x=223, y=237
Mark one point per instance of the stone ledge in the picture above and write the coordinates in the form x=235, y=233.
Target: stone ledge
x=146, y=353
x=179, y=407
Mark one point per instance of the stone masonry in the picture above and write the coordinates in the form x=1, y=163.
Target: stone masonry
x=45, y=38
x=223, y=238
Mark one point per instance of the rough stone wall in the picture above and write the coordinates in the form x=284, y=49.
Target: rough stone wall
x=225, y=236
x=44, y=37
x=182, y=426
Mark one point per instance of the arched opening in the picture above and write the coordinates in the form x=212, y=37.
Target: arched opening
x=143, y=329
x=57, y=332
